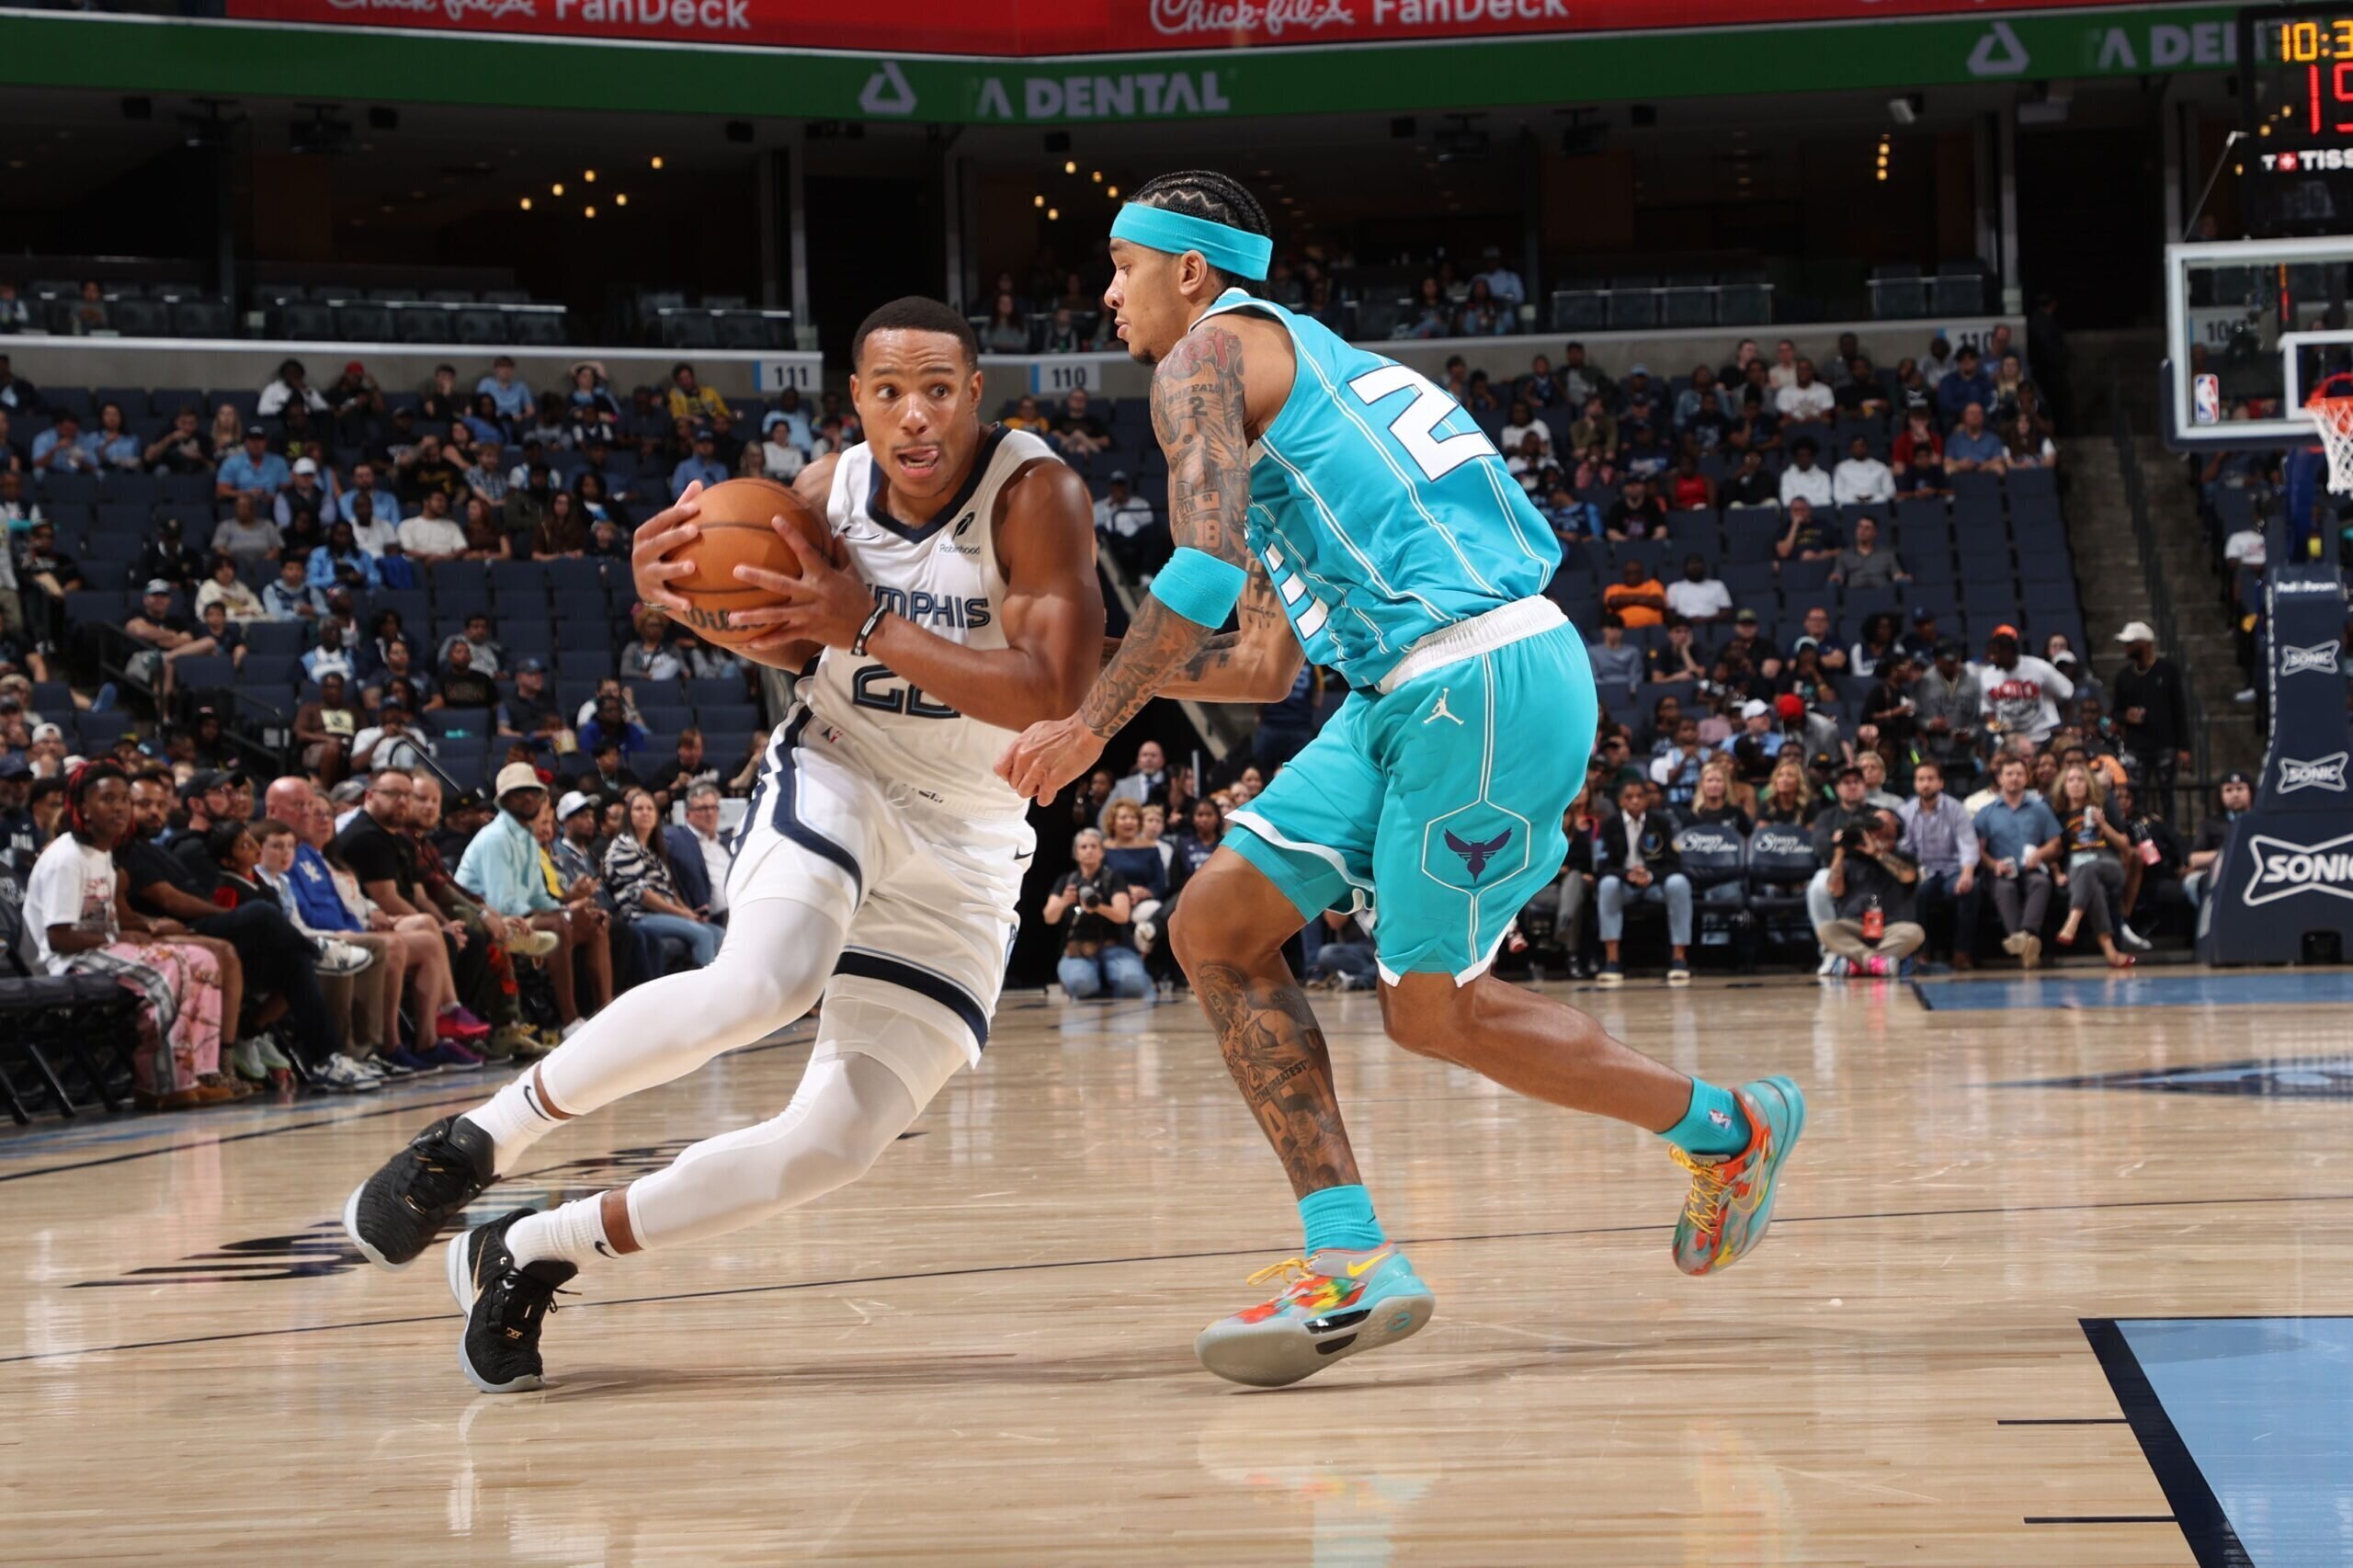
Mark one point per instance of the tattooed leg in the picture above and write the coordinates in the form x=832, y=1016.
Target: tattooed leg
x=1277, y=1055
x=1228, y=934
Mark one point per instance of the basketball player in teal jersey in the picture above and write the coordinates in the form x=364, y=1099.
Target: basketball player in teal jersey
x=1348, y=511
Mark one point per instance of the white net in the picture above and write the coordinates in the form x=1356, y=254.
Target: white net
x=2333, y=416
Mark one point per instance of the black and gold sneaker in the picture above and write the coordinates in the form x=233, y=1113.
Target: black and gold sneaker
x=506, y=1306
x=394, y=1215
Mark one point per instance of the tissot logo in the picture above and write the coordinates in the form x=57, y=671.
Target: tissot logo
x=2283, y=870
x=2320, y=658
x=2320, y=773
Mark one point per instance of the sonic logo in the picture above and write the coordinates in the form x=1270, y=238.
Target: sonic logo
x=2283, y=870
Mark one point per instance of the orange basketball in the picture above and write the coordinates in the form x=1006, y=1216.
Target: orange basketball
x=735, y=521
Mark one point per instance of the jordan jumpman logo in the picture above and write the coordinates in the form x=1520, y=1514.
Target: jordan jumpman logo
x=1442, y=711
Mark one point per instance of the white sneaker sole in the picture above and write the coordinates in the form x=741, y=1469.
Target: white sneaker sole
x=1269, y=1356
x=352, y=1231
x=461, y=1290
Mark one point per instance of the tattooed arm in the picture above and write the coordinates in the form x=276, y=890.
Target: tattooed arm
x=1257, y=664
x=1201, y=413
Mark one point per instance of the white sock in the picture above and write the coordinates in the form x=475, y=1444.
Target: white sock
x=573, y=1232
x=516, y=1118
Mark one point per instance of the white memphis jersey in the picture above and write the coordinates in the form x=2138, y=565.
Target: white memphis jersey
x=943, y=577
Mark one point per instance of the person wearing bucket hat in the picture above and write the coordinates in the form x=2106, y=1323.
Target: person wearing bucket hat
x=500, y=865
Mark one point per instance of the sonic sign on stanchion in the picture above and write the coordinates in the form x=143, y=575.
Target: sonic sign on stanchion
x=2285, y=891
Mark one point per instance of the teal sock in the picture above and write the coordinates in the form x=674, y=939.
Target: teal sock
x=1713, y=1125
x=1340, y=1217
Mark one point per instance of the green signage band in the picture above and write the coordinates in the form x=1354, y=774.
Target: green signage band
x=143, y=54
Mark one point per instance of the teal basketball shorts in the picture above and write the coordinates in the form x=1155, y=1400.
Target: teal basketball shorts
x=1438, y=806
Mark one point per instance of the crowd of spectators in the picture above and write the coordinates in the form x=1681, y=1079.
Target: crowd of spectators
x=360, y=923
x=1915, y=789
x=335, y=940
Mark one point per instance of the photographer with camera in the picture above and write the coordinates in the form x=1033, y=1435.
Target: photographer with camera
x=1873, y=884
x=1849, y=808
x=1096, y=960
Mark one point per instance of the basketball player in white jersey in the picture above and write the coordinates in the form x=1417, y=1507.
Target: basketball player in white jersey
x=879, y=864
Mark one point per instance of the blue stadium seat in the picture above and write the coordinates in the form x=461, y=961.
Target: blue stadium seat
x=2033, y=484
x=96, y=732
x=269, y=675
x=275, y=637
x=130, y=519
x=714, y=690
x=1804, y=576
x=1975, y=484
x=93, y=606
x=1932, y=563
x=1750, y=533
x=76, y=488
x=573, y=606
x=451, y=612
x=108, y=570
x=189, y=493
x=727, y=716
x=204, y=672
x=139, y=489
x=1978, y=517
x=1864, y=603
x=1691, y=530
x=519, y=585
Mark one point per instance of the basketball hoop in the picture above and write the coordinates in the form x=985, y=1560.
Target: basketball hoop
x=2331, y=408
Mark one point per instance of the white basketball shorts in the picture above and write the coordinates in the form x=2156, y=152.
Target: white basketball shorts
x=925, y=893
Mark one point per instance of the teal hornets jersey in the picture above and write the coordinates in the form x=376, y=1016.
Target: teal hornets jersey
x=1381, y=511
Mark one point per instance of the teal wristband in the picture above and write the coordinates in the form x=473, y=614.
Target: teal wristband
x=1199, y=586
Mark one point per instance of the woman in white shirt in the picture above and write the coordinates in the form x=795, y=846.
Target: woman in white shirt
x=80, y=924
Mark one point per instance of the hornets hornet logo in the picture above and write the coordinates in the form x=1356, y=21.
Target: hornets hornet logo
x=1475, y=855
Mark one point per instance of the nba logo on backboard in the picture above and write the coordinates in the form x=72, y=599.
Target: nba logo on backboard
x=2206, y=407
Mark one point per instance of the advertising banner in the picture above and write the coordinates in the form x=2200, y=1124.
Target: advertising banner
x=556, y=60
x=1014, y=29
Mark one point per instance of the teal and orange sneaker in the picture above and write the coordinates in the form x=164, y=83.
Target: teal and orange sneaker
x=1338, y=1304
x=1731, y=1196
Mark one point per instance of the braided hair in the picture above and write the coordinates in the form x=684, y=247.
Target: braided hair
x=1204, y=193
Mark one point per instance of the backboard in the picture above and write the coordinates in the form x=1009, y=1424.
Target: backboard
x=2252, y=327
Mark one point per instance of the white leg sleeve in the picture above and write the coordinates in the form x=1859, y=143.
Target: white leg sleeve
x=848, y=1110
x=771, y=968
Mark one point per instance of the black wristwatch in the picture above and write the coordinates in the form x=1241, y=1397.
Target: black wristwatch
x=858, y=644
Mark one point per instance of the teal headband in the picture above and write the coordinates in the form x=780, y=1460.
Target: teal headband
x=1229, y=249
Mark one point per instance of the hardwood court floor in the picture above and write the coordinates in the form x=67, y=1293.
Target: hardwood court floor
x=983, y=1352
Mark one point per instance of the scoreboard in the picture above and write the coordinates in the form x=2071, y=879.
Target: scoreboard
x=2296, y=108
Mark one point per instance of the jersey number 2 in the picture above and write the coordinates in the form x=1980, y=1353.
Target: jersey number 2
x=1417, y=428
